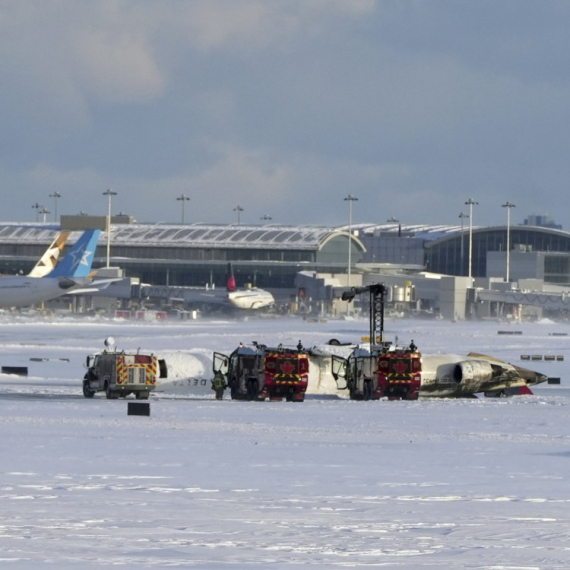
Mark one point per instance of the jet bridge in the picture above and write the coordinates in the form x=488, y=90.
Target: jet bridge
x=533, y=298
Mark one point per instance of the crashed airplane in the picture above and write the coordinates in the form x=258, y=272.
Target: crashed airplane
x=405, y=373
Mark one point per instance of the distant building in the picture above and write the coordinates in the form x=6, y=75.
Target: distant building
x=266, y=256
x=542, y=221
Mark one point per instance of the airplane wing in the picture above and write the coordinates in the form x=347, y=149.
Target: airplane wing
x=486, y=357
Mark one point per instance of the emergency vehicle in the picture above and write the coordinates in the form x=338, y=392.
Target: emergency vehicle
x=383, y=369
x=389, y=371
x=259, y=372
x=119, y=374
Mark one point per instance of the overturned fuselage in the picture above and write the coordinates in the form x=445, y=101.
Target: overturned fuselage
x=362, y=374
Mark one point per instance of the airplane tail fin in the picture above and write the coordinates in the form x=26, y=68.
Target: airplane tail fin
x=231, y=280
x=49, y=259
x=77, y=262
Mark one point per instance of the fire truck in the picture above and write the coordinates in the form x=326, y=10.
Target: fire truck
x=119, y=374
x=384, y=370
x=259, y=372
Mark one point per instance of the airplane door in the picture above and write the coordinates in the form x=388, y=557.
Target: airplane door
x=339, y=366
x=221, y=363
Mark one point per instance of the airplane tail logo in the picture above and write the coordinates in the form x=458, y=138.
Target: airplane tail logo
x=77, y=262
x=49, y=259
x=231, y=284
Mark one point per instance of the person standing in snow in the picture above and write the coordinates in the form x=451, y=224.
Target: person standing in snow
x=219, y=385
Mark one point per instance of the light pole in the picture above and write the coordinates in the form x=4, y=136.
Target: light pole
x=393, y=220
x=183, y=198
x=239, y=210
x=43, y=212
x=37, y=207
x=471, y=203
x=350, y=199
x=55, y=196
x=508, y=206
x=462, y=216
x=109, y=193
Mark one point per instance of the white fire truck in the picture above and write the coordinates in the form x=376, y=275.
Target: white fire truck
x=119, y=374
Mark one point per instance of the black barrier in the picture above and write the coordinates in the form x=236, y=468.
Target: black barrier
x=557, y=334
x=547, y=357
x=17, y=370
x=554, y=380
x=509, y=332
x=138, y=409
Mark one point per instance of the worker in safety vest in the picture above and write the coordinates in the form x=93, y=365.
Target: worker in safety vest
x=219, y=385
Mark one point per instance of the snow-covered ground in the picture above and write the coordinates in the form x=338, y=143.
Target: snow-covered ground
x=446, y=484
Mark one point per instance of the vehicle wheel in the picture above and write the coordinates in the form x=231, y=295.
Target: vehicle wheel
x=87, y=392
x=141, y=395
x=111, y=394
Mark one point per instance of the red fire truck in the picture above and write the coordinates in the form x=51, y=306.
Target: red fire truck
x=259, y=372
x=386, y=371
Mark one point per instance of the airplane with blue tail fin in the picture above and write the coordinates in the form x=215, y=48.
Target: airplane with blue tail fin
x=71, y=274
x=77, y=263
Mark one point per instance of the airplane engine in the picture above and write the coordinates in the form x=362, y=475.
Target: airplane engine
x=472, y=371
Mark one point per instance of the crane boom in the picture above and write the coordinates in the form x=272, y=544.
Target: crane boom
x=377, y=292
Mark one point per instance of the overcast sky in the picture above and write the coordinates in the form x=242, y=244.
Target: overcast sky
x=285, y=107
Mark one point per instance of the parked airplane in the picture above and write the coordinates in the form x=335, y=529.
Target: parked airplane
x=71, y=274
x=49, y=259
x=246, y=298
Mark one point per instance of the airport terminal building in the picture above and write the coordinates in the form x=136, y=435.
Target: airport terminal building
x=194, y=254
x=272, y=256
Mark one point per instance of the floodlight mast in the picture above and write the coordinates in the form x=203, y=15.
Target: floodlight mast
x=377, y=291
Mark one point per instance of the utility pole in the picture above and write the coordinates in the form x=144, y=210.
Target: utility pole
x=37, y=207
x=462, y=216
x=183, y=198
x=239, y=210
x=350, y=199
x=55, y=196
x=109, y=193
x=471, y=203
x=508, y=206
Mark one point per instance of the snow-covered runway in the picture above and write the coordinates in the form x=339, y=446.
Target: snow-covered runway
x=329, y=482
